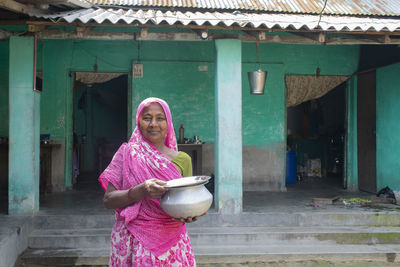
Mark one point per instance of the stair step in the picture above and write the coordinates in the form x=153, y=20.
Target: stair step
x=303, y=219
x=294, y=235
x=229, y=255
x=70, y=238
x=335, y=253
x=250, y=219
x=64, y=257
x=74, y=221
x=199, y=236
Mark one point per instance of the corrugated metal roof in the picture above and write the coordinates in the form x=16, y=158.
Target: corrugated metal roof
x=270, y=21
x=333, y=7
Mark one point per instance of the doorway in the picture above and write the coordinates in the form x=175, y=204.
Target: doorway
x=315, y=135
x=100, y=120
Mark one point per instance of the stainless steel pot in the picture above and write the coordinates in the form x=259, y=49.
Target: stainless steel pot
x=188, y=201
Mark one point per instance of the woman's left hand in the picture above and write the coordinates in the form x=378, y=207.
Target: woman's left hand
x=188, y=219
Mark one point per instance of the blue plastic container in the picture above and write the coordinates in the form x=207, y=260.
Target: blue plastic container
x=291, y=167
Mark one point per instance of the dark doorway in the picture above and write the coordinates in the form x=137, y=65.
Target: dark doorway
x=366, y=131
x=316, y=133
x=100, y=126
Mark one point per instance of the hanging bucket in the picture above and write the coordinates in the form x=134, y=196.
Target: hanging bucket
x=257, y=81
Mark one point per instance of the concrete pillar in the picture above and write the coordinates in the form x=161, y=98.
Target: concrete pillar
x=24, y=135
x=351, y=164
x=228, y=114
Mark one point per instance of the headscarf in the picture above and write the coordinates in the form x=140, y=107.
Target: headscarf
x=135, y=162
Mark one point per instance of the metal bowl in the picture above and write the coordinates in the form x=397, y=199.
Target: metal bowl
x=188, y=201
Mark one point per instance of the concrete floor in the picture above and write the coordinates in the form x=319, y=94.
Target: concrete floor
x=86, y=198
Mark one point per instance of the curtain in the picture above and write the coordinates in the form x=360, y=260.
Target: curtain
x=301, y=88
x=90, y=78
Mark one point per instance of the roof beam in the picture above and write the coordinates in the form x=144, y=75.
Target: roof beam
x=16, y=6
x=258, y=35
x=85, y=33
x=80, y=3
x=315, y=36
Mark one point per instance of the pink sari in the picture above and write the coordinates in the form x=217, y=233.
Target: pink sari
x=151, y=230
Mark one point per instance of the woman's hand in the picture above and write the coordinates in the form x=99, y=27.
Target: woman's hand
x=188, y=219
x=154, y=188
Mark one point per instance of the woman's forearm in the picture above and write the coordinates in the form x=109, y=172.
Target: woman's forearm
x=114, y=199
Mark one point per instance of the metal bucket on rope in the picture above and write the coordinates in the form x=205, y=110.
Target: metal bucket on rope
x=257, y=79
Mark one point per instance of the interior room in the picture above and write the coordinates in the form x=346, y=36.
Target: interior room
x=99, y=125
x=315, y=141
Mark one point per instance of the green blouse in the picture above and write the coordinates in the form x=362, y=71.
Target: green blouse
x=184, y=164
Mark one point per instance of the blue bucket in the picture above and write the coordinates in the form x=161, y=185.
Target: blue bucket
x=291, y=167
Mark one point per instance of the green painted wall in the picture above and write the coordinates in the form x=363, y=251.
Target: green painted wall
x=4, y=63
x=388, y=127
x=304, y=59
x=171, y=71
x=188, y=91
x=57, y=60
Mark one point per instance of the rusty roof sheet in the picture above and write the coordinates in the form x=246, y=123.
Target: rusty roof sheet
x=333, y=7
x=256, y=20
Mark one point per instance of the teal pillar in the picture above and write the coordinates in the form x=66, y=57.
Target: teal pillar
x=24, y=129
x=228, y=114
x=351, y=170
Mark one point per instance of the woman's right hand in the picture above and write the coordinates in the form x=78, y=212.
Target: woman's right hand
x=154, y=188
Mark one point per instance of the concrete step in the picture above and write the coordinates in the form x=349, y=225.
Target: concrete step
x=64, y=257
x=70, y=238
x=304, y=219
x=219, y=236
x=335, y=253
x=379, y=255
x=254, y=236
x=73, y=221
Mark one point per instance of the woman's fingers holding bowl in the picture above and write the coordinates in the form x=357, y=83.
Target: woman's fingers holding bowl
x=155, y=188
x=186, y=220
x=182, y=220
x=159, y=182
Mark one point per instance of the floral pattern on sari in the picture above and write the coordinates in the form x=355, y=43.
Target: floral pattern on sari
x=127, y=251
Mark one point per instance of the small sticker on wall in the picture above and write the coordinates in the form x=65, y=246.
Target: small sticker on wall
x=203, y=68
x=137, y=70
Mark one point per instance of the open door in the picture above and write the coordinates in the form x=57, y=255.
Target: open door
x=366, y=131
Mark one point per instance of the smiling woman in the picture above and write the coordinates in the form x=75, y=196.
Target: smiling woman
x=153, y=125
x=143, y=234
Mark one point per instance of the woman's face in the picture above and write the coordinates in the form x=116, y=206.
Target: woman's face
x=153, y=123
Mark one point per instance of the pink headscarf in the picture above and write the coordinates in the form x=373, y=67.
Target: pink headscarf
x=135, y=162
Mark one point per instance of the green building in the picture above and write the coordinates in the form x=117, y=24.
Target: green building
x=331, y=90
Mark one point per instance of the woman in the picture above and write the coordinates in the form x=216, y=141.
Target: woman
x=143, y=234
